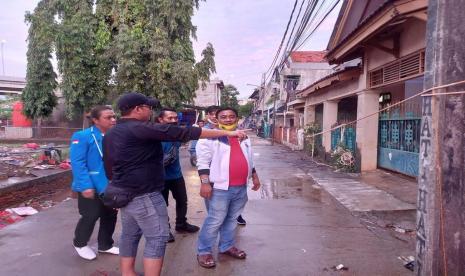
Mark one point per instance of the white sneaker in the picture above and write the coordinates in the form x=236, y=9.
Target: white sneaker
x=86, y=252
x=114, y=250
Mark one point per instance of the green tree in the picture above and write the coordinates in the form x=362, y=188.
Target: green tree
x=38, y=95
x=229, y=96
x=245, y=110
x=85, y=71
x=107, y=47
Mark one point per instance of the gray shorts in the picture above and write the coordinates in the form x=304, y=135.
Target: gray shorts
x=145, y=215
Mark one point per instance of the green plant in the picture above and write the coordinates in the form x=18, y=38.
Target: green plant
x=310, y=130
x=343, y=158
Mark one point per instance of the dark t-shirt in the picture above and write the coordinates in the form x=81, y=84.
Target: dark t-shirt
x=133, y=154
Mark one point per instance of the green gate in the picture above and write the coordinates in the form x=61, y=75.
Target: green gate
x=399, y=141
x=348, y=139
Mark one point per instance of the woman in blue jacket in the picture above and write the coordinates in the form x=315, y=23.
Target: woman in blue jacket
x=90, y=181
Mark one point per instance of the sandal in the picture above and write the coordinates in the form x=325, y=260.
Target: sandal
x=235, y=253
x=206, y=260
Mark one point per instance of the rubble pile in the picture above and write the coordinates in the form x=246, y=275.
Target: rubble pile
x=22, y=161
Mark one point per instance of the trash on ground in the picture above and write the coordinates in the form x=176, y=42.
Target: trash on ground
x=15, y=161
x=24, y=211
x=7, y=218
x=31, y=146
x=340, y=267
x=46, y=204
x=399, y=229
x=410, y=266
x=65, y=165
x=409, y=262
x=35, y=254
x=44, y=167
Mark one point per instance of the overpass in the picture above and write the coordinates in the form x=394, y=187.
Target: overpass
x=11, y=85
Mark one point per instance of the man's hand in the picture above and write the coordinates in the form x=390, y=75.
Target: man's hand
x=206, y=190
x=89, y=193
x=238, y=133
x=256, y=182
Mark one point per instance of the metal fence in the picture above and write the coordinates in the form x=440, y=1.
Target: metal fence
x=399, y=139
x=399, y=128
x=345, y=135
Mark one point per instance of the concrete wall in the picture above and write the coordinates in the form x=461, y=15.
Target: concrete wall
x=334, y=92
x=210, y=95
x=309, y=73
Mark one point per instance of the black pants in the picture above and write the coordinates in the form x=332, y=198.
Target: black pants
x=91, y=210
x=178, y=190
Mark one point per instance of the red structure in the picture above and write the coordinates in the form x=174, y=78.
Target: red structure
x=18, y=118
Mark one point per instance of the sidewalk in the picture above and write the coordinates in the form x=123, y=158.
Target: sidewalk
x=294, y=227
x=373, y=191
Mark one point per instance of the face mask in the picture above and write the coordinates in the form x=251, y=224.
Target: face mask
x=228, y=127
x=211, y=122
x=173, y=124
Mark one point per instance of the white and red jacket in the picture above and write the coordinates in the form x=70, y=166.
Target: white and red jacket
x=213, y=157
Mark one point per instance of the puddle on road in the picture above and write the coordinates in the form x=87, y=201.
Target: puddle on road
x=292, y=187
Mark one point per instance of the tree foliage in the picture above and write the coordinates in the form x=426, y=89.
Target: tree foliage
x=107, y=47
x=246, y=109
x=229, y=96
x=38, y=95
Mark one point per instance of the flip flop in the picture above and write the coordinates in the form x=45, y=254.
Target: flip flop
x=235, y=253
x=206, y=261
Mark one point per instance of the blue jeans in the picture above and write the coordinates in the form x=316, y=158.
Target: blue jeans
x=144, y=215
x=192, y=146
x=223, y=209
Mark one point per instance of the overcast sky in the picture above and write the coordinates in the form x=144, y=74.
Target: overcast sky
x=244, y=33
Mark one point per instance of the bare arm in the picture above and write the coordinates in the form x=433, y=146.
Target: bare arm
x=205, y=186
x=213, y=133
x=255, y=181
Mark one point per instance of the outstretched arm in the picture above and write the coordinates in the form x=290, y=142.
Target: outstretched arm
x=213, y=133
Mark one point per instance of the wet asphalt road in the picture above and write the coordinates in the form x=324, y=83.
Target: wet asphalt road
x=294, y=227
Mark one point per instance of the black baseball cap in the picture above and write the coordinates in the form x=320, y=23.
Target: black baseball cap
x=130, y=100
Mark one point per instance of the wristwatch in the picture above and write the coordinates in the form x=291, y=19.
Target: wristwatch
x=204, y=180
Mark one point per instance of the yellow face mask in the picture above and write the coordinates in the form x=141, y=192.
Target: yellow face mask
x=228, y=127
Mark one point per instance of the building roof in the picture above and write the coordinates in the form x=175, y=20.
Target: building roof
x=360, y=13
x=254, y=94
x=308, y=56
x=349, y=72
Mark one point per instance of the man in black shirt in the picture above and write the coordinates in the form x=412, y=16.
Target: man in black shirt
x=133, y=158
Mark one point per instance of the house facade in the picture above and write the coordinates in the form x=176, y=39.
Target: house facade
x=209, y=94
x=299, y=70
x=378, y=49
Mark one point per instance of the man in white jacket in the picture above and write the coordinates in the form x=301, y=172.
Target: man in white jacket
x=228, y=164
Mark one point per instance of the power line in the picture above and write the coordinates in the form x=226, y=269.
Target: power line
x=296, y=44
x=282, y=40
x=293, y=27
x=321, y=21
x=314, y=15
x=304, y=21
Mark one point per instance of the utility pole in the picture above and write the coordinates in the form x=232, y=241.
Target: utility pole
x=440, y=243
x=274, y=114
